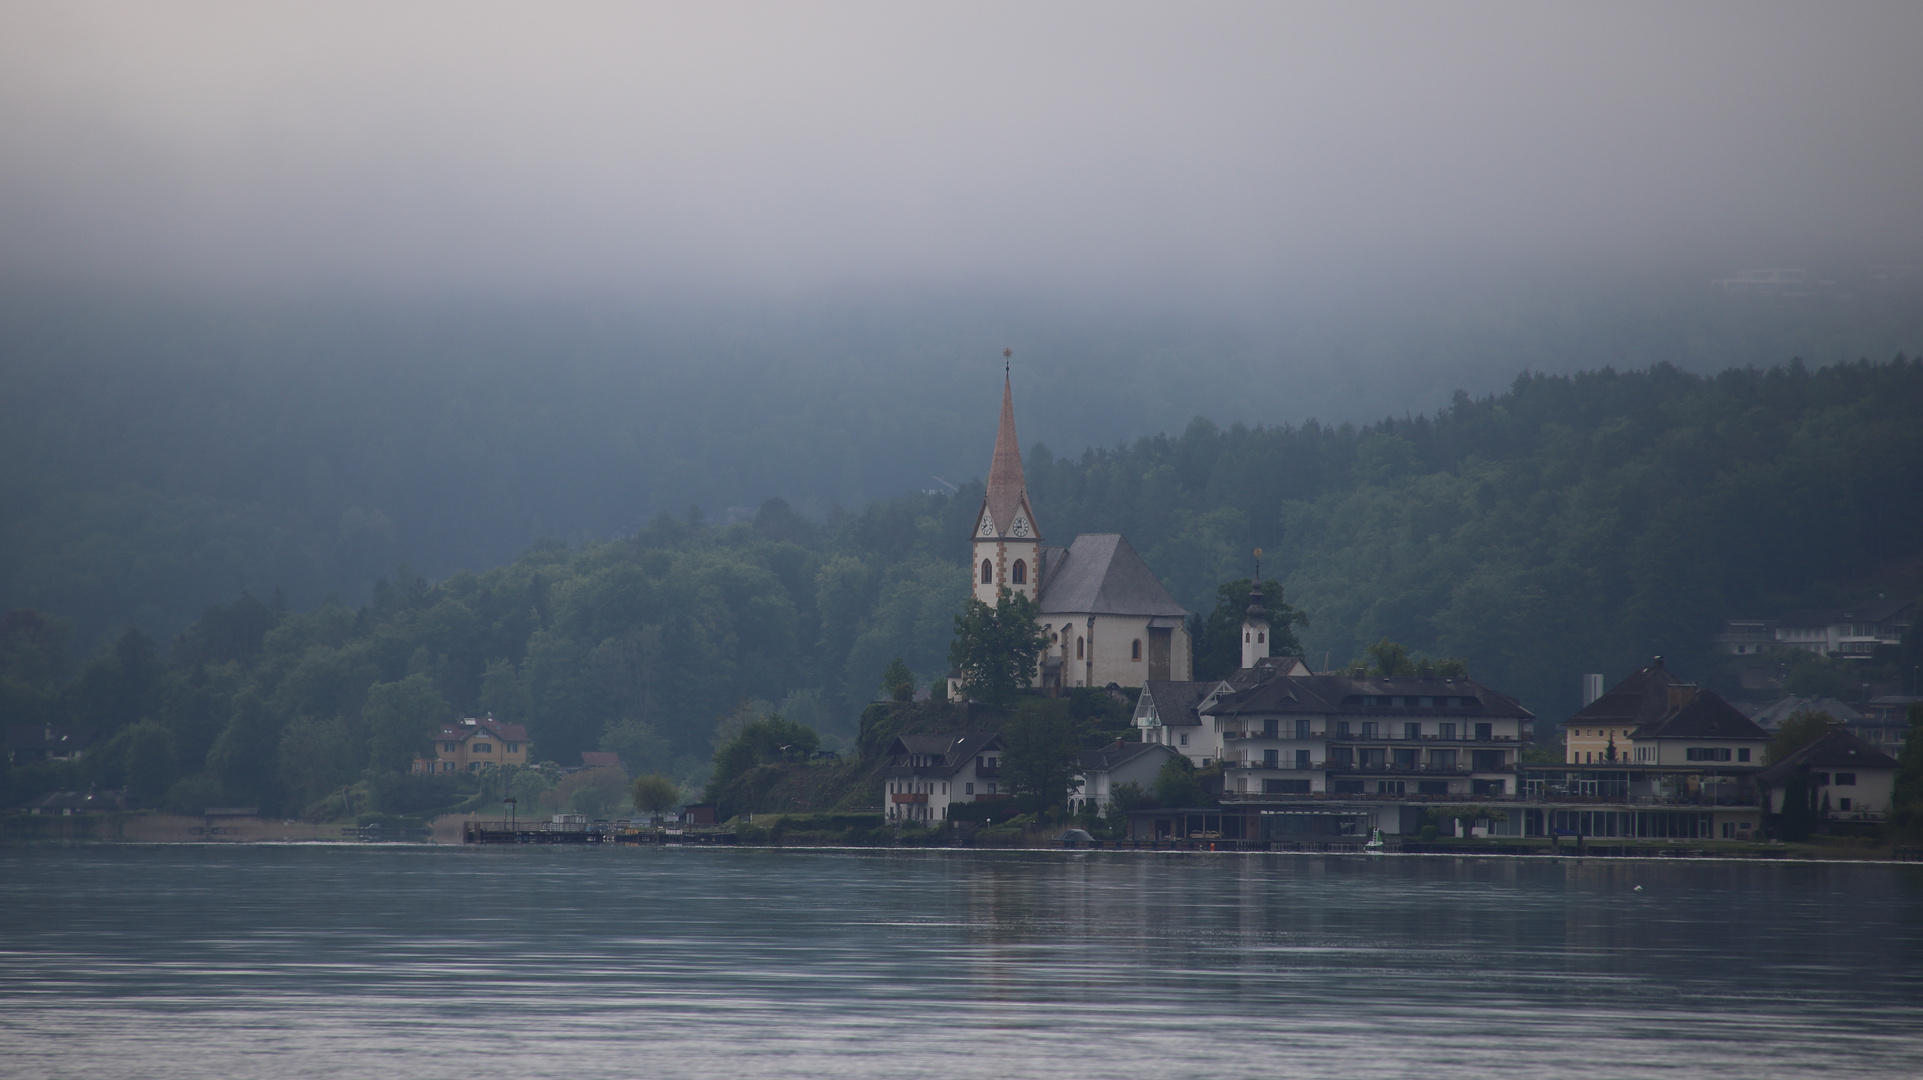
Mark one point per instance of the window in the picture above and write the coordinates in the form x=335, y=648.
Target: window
x=1261, y=636
x=1485, y=732
x=1843, y=804
x=1302, y=759
x=1432, y=787
x=1442, y=759
x=1412, y=731
x=1079, y=642
x=1341, y=729
x=447, y=766
x=1348, y=787
x=988, y=572
x=1271, y=759
x=483, y=748
x=1245, y=637
x=1019, y=575
x=1135, y=651
x=1185, y=738
x=1707, y=753
x=1405, y=758
x=1388, y=787
x=1369, y=729
x=1445, y=731
x=1742, y=753
x=1486, y=760
x=1301, y=729
x=1285, y=787
x=1341, y=756
x=1845, y=779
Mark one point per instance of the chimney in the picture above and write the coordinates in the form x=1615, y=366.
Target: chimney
x=1592, y=688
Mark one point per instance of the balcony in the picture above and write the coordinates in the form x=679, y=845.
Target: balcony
x=909, y=797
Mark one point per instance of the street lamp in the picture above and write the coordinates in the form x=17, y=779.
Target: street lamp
x=512, y=805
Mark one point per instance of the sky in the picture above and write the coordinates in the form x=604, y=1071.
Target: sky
x=1208, y=160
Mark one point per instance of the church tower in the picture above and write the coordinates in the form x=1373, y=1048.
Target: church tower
x=1007, y=543
x=1255, y=621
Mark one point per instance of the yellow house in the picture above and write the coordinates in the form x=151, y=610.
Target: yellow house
x=466, y=745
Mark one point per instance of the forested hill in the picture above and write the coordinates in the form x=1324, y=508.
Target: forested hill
x=1571, y=524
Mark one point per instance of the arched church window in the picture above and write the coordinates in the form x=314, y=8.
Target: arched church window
x=1261, y=636
x=988, y=572
x=1245, y=637
x=1078, y=648
x=1135, y=652
x=1020, y=573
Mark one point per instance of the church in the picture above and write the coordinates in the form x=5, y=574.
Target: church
x=1107, y=616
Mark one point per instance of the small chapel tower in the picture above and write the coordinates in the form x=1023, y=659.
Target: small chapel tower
x=1255, y=621
x=1007, y=542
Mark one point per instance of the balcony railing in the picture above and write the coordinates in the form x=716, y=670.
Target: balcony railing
x=1283, y=736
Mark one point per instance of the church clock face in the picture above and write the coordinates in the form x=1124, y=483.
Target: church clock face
x=988, y=527
x=1020, y=528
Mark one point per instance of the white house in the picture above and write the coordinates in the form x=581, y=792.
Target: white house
x=1115, y=764
x=1844, y=778
x=926, y=774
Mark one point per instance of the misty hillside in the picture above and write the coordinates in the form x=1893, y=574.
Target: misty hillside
x=1570, y=524
x=159, y=457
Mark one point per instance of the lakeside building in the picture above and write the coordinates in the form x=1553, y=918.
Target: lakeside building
x=1843, y=777
x=1108, y=618
x=1842, y=633
x=468, y=744
x=926, y=774
x=1297, y=762
x=29, y=743
x=1101, y=771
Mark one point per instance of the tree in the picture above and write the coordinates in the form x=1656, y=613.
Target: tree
x=1178, y=786
x=400, y=718
x=151, y=761
x=1906, y=797
x=897, y=681
x=655, y=793
x=1039, y=753
x=997, y=647
x=243, y=757
x=1218, y=649
x=1797, y=730
x=764, y=741
x=1390, y=658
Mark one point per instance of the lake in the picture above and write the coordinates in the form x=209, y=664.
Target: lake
x=420, y=961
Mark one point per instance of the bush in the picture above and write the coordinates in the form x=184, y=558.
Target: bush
x=404, y=793
x=191, y=795
x=1429, y=834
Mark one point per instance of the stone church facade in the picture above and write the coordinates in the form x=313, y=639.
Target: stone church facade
x=1107, y=616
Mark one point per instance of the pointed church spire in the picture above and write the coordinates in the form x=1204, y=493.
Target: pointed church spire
x=1007, y=490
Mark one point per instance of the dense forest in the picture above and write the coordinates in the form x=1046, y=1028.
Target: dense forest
x=1570, y=524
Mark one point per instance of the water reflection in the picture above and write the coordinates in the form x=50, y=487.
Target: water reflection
x=309, y=961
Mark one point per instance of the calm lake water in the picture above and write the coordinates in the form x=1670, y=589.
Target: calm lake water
x=407, y=962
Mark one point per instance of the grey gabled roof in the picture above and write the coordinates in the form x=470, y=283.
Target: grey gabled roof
x=1117, y=754
x=954, y=751
x=1876, y=612
x=1704, y=716
x=1836, y=750
x=1175, y=702
x=1102, y=575
x=1339, y=695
